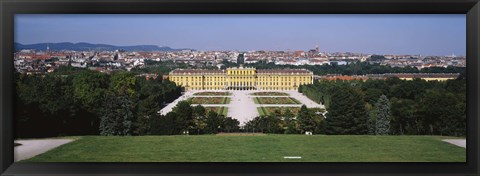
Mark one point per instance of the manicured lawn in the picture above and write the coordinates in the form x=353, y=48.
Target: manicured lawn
x=213, y=93
x=275, y=100
x=219, y=110
x=209, y=100
x=268, y=148
x=294, y=110
x=269, y=94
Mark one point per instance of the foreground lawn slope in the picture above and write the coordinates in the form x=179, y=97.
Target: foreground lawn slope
x=267, y=148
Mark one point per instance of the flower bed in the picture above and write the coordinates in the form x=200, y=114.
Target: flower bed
x=269, y=94
x=276, y=100
x=213, y=93
x=209, y=100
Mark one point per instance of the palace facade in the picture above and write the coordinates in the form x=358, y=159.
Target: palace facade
x=241, y=78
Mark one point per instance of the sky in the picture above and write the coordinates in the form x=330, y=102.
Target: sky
x=442, y=34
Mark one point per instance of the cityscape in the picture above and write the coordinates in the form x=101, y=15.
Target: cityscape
x=42, y=61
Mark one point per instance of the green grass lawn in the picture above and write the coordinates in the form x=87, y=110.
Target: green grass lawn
x=261, y=111
x=268, y=148
x=219, y=110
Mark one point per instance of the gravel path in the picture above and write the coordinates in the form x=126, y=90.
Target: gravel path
x=242, y=107
x=457, y=142
x=170, y=106
x=34, y=147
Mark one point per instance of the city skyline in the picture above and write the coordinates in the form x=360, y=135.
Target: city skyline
x=375, y=34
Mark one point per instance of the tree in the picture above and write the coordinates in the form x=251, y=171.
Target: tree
x=123, y=83
x=117, y=116
x=443, y=113
x=306, y=120
x=89, y=89
x=290, y=122
x=199, y=119
x=382, y=121
x=164, y=125
x=184, y=120
x=147, y=109
x=214, y=122
x=231, y=124
x=347, y=113
x=372, y=117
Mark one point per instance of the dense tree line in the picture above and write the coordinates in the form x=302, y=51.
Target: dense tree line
x=355, y=68
x=82, y=102
x=185, y=119
x=392, y=106
x=306, y=120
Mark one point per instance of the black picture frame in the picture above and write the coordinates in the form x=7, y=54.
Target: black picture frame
x=9, y=8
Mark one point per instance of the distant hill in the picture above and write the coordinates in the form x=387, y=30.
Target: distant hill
x=91, y=47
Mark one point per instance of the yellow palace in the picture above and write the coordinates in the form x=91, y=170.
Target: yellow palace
x=240, y=78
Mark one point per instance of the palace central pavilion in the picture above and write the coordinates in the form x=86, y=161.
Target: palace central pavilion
x=241, y=78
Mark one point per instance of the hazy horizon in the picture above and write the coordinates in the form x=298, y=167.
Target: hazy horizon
x=375, y=34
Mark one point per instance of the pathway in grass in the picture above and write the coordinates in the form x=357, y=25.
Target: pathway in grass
x=268, y=148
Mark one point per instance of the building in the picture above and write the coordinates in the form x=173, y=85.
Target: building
x=240, y=78
x=241, y=58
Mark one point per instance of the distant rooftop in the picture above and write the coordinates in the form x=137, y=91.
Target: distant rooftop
x=259, y=71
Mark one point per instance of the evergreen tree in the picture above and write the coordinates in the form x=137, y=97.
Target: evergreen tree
x=117, y=116
x=147, y=109
x=347, y=113
x=372, y=118
x=231, y=124
x=184, y=120
x=307, y=120
x=163, y=125
x=382, y=121
x=214, y=122
x=290, y=123
x=199, y=119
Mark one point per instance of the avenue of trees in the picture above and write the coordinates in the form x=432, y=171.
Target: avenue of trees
x=392, y=106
